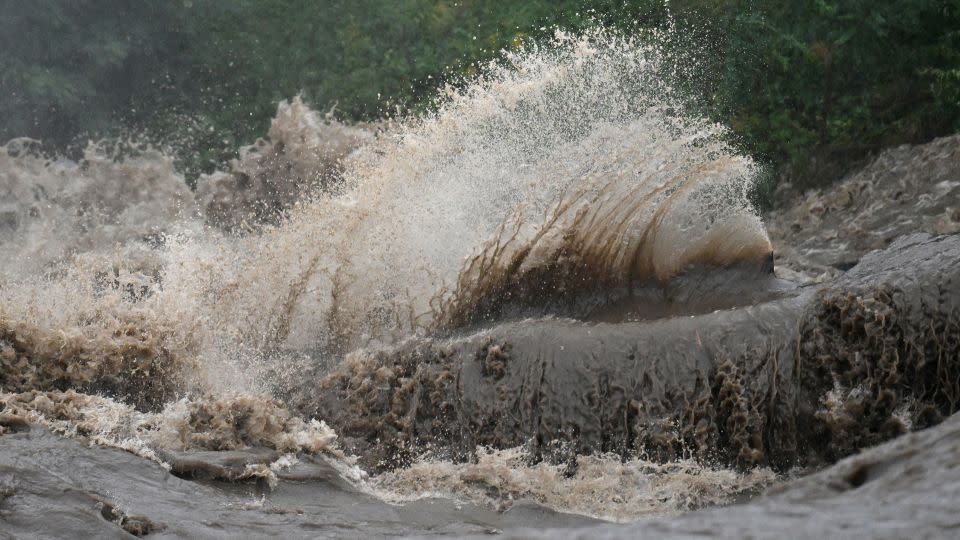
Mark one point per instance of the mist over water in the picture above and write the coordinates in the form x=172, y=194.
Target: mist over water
x=565, y=170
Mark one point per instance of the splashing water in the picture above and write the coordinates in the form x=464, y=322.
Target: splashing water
x=563, y=166
x=603, y=487
x=565, y=169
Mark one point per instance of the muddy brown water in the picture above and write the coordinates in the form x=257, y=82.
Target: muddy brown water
x=546, y=302
x=804, y=379
x=51, y=487
x=661, y=388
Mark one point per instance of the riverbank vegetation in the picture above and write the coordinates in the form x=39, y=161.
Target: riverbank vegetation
x=809, y=87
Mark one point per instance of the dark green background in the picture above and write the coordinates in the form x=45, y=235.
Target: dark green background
x=808, y=86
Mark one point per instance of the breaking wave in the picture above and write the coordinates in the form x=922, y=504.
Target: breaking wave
x=565, y=175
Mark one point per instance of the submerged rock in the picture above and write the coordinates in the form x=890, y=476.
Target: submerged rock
x=130, y=363
x=804, y=379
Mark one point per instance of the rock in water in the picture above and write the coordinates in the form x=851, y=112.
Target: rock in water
x=806, y=378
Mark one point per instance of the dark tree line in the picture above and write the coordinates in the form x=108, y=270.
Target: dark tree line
x=809, y=86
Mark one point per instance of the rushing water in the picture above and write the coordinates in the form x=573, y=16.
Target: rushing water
x=566, y=180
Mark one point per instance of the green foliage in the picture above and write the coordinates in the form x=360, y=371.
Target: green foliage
x=809, y=86
x=71, y=67
x=830, y=81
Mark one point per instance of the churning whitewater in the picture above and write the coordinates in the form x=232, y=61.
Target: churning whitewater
x=565, y=169
x=137, y=314
x=548, y=301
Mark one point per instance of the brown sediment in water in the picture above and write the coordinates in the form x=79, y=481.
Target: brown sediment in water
x=881, y=346
x=564, y=388
x=600, y=486
x=905, y=488
x=499, y=201
x=226, y=438
x=564, y=185
x=53, y=487
x=584, y=256
x=805, y=379
x=241, y=422
x=131, y=364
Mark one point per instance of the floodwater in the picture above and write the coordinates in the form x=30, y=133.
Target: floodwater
x=547, y=304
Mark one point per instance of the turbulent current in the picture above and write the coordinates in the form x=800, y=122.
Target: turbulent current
x=549, y=301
